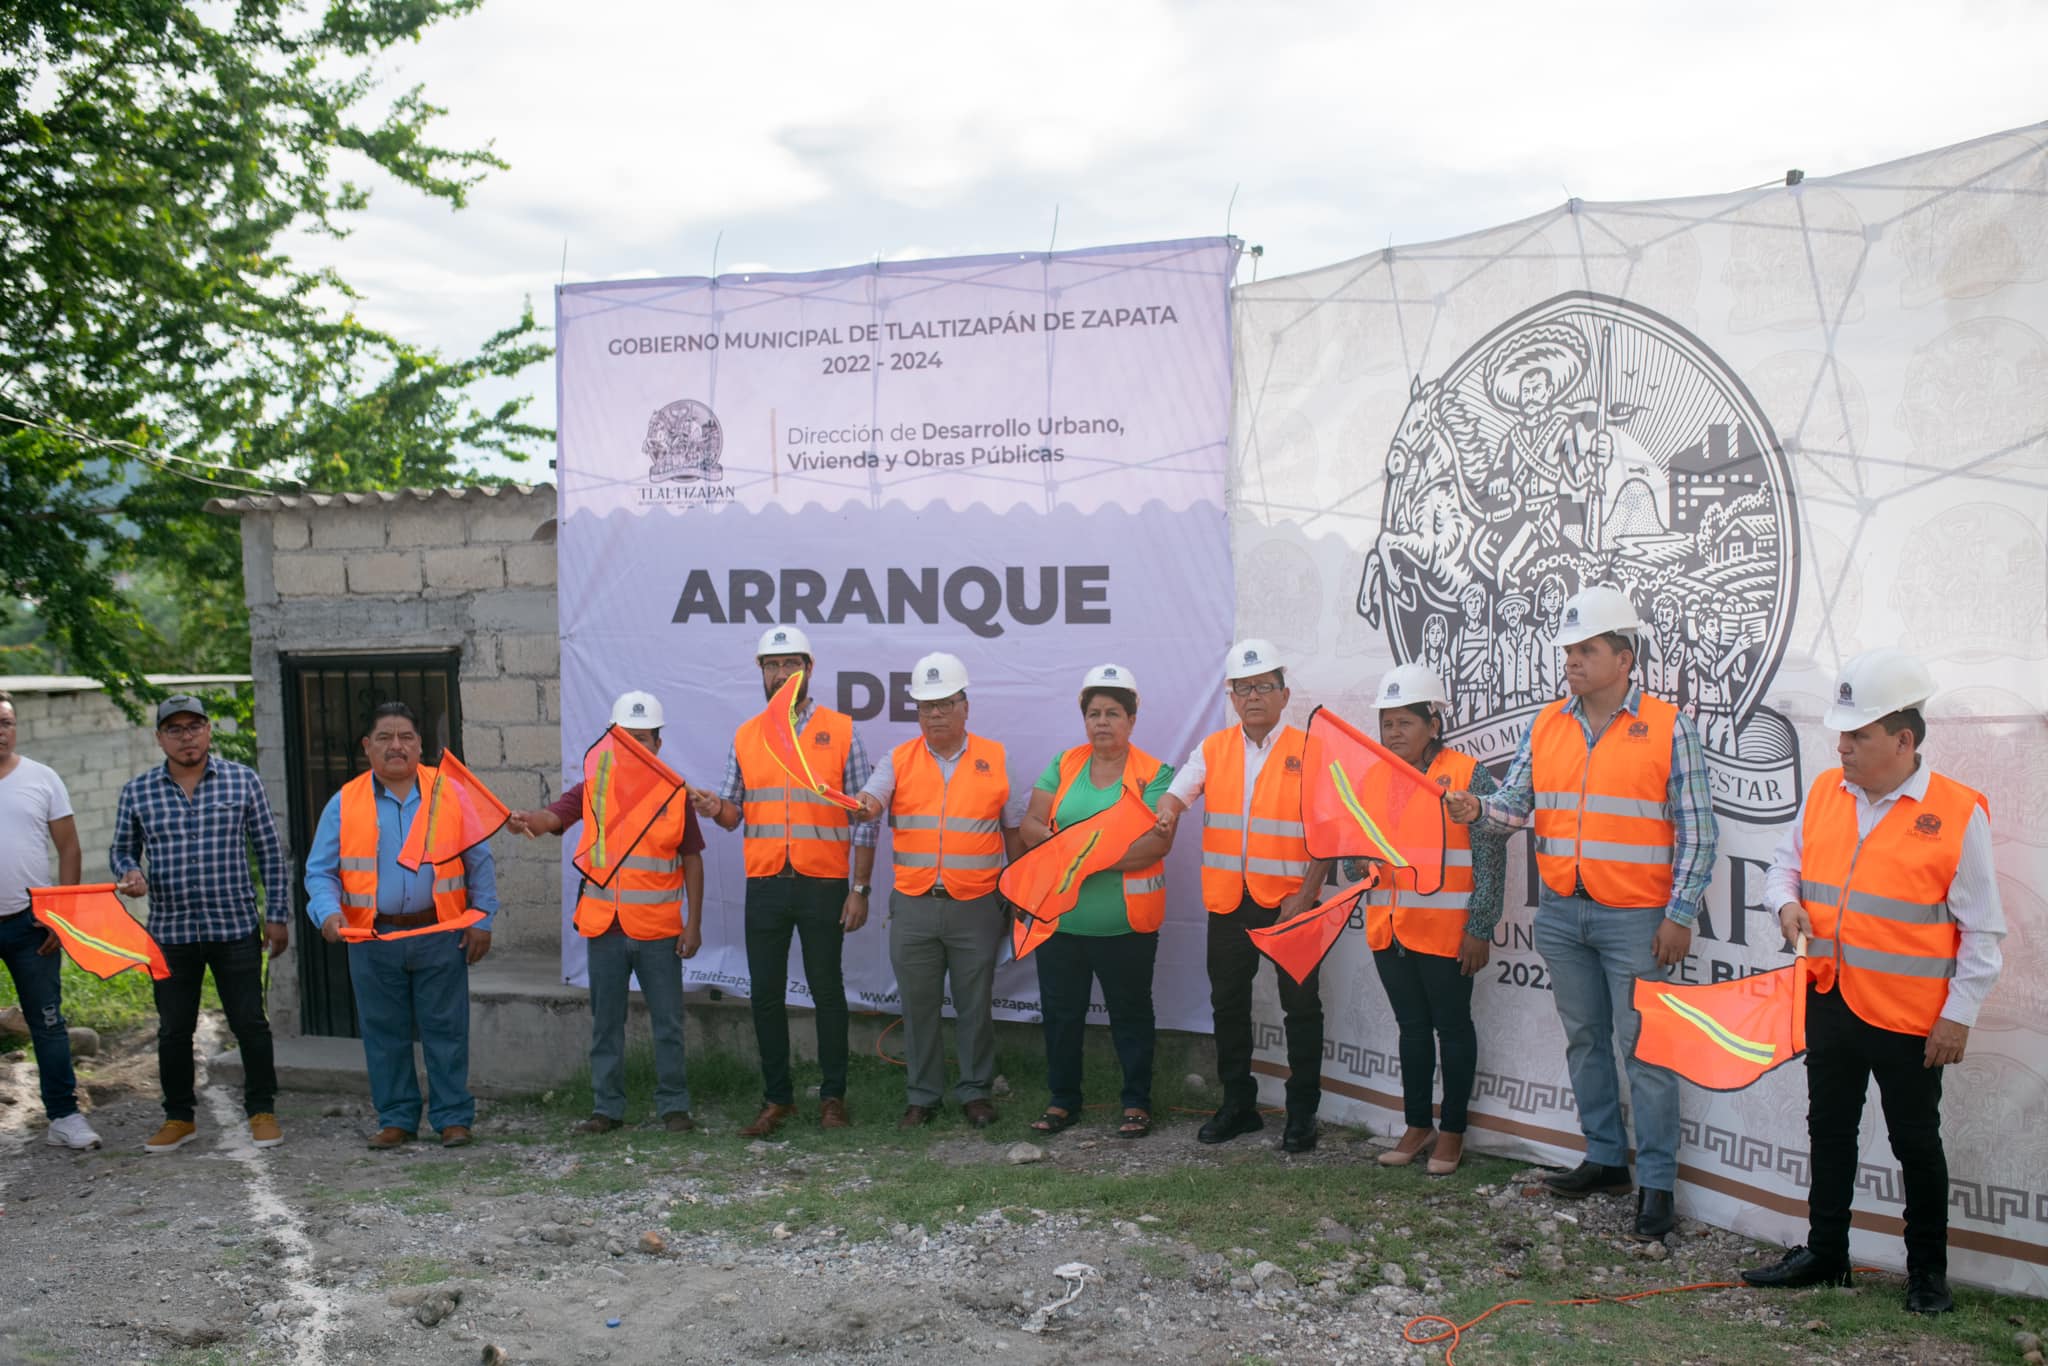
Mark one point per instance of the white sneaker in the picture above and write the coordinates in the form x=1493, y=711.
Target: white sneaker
x=72, y=1132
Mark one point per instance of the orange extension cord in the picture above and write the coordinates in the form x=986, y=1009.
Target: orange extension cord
x=1455, y=1331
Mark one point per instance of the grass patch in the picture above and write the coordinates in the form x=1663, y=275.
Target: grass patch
x=414, y=1271
x=126, y=1002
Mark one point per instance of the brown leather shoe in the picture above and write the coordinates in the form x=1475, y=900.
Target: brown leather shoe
x=979, y=1113
x=771, y=1118
x=678, y=1122
x=388, y=1137
x=456, y=1136
x=832, y=1114
x=914, y=1117
x=597, y=1124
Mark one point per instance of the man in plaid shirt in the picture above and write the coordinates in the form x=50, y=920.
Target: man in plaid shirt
x=194, y=820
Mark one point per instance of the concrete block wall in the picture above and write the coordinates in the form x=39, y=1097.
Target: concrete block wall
x=472, y=570
x=71, y=725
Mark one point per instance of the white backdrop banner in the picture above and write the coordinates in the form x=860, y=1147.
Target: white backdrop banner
x=1017, y=459
x=1796, y=423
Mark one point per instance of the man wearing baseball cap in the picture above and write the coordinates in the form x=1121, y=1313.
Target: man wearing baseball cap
x=1888, y=875
x=1255, y=871
x=644, y=924
x=1623, y=813
x=193, y=820
x=954, y=815
x=799, y=851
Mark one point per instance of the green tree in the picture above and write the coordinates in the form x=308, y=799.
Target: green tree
x=158, y=344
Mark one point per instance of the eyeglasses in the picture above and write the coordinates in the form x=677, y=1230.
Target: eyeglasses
x=940, y=707
x=1259, y=689
x=387, y=738
x=187, y=731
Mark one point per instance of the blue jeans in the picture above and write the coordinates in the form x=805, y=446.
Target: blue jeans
x=614, y=959
x=38, y=980
x=417, y=987
x=1595, y=954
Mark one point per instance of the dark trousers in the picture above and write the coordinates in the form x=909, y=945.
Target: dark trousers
x=1843, y=1053
x=1432, y=1004
x=38, y=978
x=1068, y=967
x=237, y=966
x=808, y=908
x=1233, y=967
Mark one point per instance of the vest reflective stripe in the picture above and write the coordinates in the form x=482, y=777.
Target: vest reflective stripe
x=1602, y=849
x=783, y=824
x=645, y=895
x=1894, y=949
x=357, y=865
x=1432, y=923
x=1603, y=817
x=1265, y=855
x=1144, y=889
x=948, y=828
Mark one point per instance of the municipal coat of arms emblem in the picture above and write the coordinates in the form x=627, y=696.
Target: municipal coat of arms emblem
x=1590, y=441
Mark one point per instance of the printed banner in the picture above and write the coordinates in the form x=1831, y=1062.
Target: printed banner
x=1794, y=423
x=1018, y=459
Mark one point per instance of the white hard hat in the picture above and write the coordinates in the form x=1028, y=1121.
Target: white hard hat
x=637, y=711
x=936, y=676
x=1250, y=658
x=782, y=640
x=1110, y=676
x=1875, y=684
x=1595, y=612
x=1407, y=684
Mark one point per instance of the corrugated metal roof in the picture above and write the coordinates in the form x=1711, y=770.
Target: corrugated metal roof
x=32, y=683
x=277, y=502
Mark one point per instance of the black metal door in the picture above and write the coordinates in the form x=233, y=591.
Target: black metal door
x=327, y=704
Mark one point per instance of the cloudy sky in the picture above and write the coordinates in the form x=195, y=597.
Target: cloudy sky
x=650, y=138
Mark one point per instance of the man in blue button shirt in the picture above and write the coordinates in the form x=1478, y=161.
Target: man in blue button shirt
x=418, y=984
x=194, y=819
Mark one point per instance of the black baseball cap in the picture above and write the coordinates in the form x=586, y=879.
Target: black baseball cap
x=171, y=706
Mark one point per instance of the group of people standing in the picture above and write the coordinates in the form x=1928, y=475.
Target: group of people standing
x=1887, y=872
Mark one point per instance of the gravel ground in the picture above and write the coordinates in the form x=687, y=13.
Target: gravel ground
x=321, y=1251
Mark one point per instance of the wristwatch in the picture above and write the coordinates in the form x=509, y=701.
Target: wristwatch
x=862, y=888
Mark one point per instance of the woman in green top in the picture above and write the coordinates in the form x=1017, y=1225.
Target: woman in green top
x=1112, y=934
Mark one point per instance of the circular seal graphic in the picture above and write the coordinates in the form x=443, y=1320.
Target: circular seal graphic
x=684, y=441
x=1589, y=441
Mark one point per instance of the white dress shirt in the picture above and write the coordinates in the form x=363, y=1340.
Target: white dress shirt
x=1972, y=897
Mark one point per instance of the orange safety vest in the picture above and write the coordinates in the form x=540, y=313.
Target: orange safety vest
x=1271, y=857
x=646, y=892
x=786, y=825
x=1895, y=948
x=948, y=830
x=358, y=865
x=1145, y=889
x=1434, y=922
x=1604, y=817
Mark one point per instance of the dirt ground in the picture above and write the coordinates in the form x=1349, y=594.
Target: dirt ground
x=534, y=1246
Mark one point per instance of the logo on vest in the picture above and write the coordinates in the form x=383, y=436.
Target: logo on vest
x=981, y=766
x=1591, y=442
x=683, y=446
x=821, y=739
x=1928, y=826
x=1292, y=764
x=1638, y=730
x=1444, y=781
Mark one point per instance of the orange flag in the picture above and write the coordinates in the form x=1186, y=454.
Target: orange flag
x=456, y=813
x=97, y=931
x=1298, y=945
x=1361, y=800
x=1045, y=883
x=778, y=728
x=625, y=787
x=1725, y=1035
